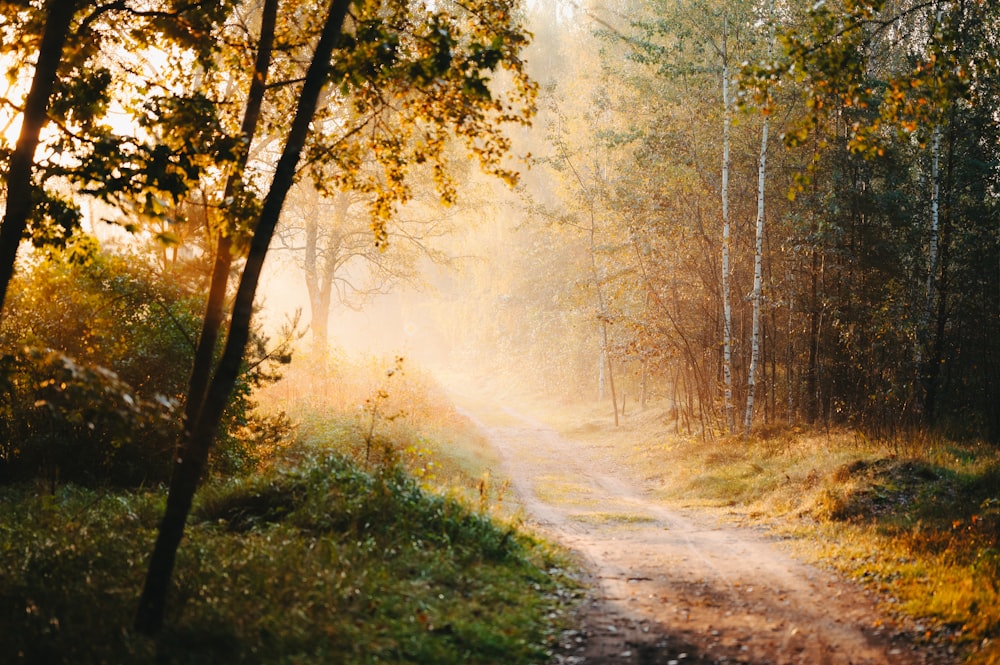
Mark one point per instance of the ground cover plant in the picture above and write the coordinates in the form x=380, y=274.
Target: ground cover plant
x=313, y=561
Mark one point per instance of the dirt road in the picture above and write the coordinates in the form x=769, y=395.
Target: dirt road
x=677, y=586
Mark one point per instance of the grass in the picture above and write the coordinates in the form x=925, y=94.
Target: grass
x=613, y=518
x=416, y=426
x=397, y=549
x=311, y=562
x=915, y=518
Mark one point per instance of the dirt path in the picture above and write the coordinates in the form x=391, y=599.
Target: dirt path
x=678, y=586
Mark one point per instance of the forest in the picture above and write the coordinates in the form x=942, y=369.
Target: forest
x=249, y=248
x=769, y=213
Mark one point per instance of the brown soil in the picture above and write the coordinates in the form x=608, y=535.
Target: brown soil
x=673, y=586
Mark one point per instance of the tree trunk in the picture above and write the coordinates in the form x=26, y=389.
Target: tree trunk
x=320, y=268
x=811, y=399
x=931, y=369
x=933, y=241
x=58, y=16
x=214, y=310
x=727, y=312
x=927, y=359
x=790, y=360
x=187, y=470
x=758, y=276
x=812, y=368
x=611, y=373
x=757, y=283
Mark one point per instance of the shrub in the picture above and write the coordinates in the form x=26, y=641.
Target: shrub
x=69, y=422
x=96, y=397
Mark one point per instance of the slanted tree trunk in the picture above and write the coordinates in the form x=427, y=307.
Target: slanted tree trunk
x=214, y=309
x=188, y=468
x=58, y=17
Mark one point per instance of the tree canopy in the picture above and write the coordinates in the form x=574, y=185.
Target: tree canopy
x=138, y=106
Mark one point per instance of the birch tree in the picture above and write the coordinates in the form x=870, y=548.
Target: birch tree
x=758, y=256
x=727, y=311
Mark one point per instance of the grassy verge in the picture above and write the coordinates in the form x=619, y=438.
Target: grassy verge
x=918, y=524
x=916, y=519
x=315, y=562
x=372, y=539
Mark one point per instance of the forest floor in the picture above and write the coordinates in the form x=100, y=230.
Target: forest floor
x=680, y=585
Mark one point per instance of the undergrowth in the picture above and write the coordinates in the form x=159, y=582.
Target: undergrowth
x=315, y=560
x=381, y=413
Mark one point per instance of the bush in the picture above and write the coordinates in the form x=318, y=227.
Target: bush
x=67, y=422
x=95, y=393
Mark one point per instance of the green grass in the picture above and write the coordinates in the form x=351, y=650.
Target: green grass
x=313, y=561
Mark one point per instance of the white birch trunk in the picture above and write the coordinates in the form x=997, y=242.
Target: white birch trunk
x=757, y=281
x=758, y=260
x=934, y=240
x=923, y=332
x=727, y=312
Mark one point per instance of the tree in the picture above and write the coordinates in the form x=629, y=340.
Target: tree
x=727, y=312
x=758, y=259
x=193, y=454
x=74, y=80
x=588, y=191
x=57, y=19
x=437, y=67
x=234, y=191
x=680, y=87
x=329, y=238
x=901, y=80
